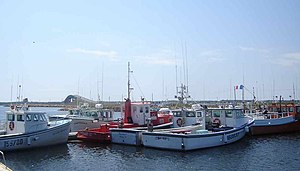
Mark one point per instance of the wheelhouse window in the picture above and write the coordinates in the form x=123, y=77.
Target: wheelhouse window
x=146, y=109
x=10, y=117
x=298, y=109
x=228, y=113
x=43, y=118
x=291, y=109
x=190, y=114
x=20, y=117
x=216, y=113
x=199, y=114
x=28, y=117
x=35, y=117
x=177, y=113
x=239, y=114
x=141, y=110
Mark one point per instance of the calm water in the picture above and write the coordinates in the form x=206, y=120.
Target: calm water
x=279, y=152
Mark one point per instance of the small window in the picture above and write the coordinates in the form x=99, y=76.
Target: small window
x=291, y=109
x=20, y=118
x=284, y=109
x=35, y=117
x=141, y=110
x=298, y=109
x=199, y=114
x=228, y=113
x=134, y=108
x=41, y=118
x=190, y=114
x=28, y=117
x=177, y=113
x=11, y=117
x=239, y=113
x=44, y=118
x=146, y=109
x=216, y=113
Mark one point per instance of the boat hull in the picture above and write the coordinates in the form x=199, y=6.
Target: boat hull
x=54, y=135
x=293, y=126
x=126, y=136
x=186, y=142
x=78, y=124
x=100, y=135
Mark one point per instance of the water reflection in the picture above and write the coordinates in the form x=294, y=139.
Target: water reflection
x=35, y=158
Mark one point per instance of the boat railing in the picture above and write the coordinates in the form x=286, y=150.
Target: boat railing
x=271, y=115
x=3, y=157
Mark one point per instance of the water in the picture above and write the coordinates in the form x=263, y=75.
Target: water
x=276, y=152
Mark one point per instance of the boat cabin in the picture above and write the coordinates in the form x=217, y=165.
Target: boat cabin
x=228, y=117
x=183, y=117
x=140, y=112
x=25, y=121
x=285, y=108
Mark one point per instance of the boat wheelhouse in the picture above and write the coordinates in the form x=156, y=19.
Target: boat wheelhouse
x=27, y=129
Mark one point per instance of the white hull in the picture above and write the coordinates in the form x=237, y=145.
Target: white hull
x=133, y=136
x=53, y=135
x=185, y=142
x=126, y=136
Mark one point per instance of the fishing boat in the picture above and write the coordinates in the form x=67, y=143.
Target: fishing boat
x=229, y=125
x=30, y=129
x=278, y=118
x=134, y=114
x=86, y=118
x=133, y=136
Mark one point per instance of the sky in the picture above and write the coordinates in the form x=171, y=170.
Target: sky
x=57, y=48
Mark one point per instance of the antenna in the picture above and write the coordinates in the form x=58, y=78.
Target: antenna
x=183, y=63
x=102, y=83
x=187, y=71
x=294, y=94
x=129, y=88
x=98, y=96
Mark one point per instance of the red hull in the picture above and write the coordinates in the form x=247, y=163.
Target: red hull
x=276, y=129
x=101, y=135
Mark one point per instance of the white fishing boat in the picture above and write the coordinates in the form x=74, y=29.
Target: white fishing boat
x=86, y=118
x=28, y=129
x=229, y=125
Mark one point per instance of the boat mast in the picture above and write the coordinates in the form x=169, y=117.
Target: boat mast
x=127, y=116
x=128, y=85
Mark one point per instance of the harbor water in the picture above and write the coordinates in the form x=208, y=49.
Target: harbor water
x=275, y=152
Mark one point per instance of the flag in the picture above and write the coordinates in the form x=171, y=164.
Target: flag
x=239, y=87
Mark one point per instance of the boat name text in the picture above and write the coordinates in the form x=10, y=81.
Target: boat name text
x=12, y=143
x=229, y=137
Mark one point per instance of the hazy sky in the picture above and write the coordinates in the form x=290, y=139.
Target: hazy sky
x=57, y=48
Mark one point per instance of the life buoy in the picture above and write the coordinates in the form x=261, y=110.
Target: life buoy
x=11, y=125
x=217, y=121
x=179, y=122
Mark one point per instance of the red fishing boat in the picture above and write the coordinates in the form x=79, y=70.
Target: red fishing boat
x=279, y=118
x=134, y=115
